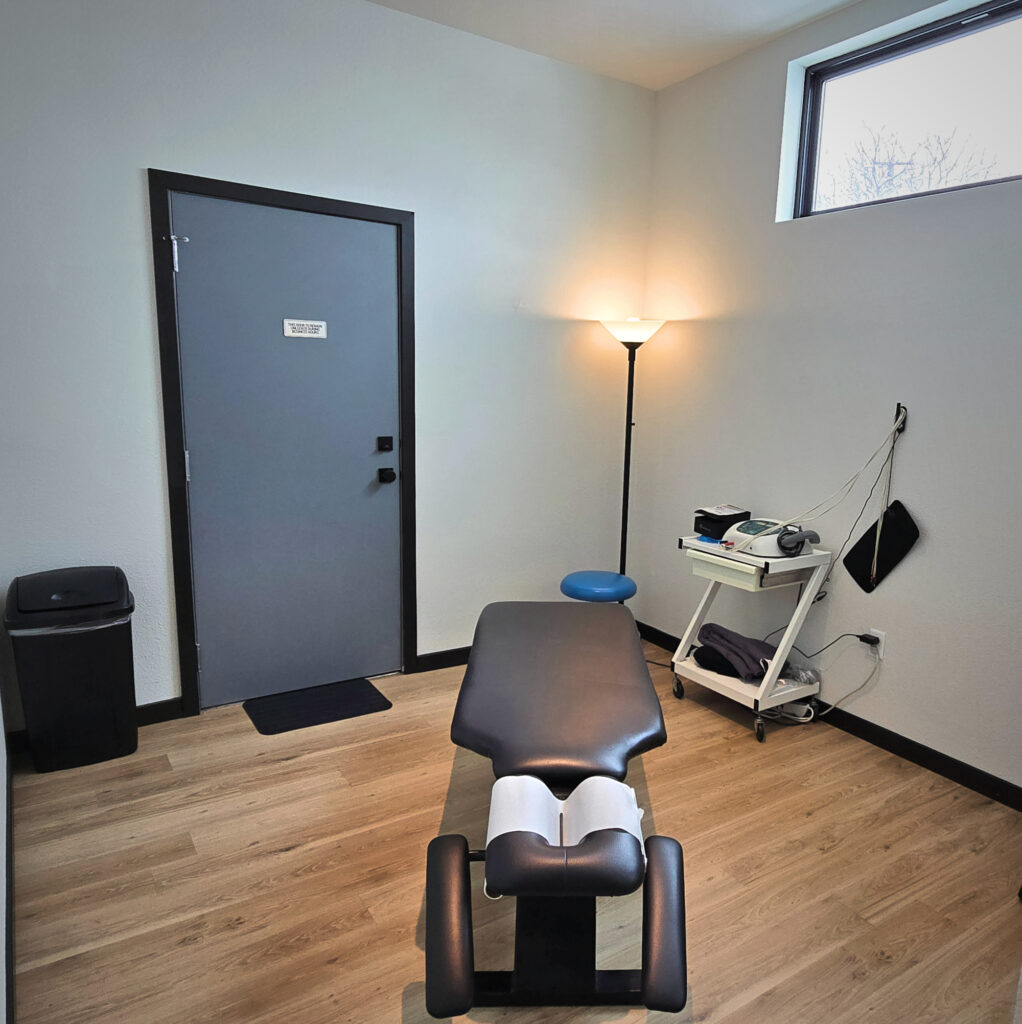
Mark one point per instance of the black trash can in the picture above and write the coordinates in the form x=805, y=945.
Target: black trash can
x=71, y=630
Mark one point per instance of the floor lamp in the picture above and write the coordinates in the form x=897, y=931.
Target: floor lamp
x=596, y=585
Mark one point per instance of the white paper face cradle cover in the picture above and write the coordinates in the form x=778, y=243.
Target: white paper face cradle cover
x=522, y=803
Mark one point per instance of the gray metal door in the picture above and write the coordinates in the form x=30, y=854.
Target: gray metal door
x=295, y=540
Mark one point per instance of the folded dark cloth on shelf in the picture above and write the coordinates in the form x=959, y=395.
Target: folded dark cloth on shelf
x=725, y=651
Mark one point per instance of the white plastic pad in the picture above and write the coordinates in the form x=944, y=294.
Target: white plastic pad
x=522, y=803
x=599, y=802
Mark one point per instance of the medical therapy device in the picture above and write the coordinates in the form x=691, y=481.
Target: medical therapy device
x=769, y=538
x=559, y=697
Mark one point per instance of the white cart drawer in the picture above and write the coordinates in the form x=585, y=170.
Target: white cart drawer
x=735, y=574
x=742, y=575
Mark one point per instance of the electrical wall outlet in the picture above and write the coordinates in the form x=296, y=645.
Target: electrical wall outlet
x=883, y=639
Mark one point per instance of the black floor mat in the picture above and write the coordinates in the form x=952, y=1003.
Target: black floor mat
x=317, y=705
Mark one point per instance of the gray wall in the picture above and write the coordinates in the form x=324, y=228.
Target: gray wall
x=794, y=342
x=529, y=184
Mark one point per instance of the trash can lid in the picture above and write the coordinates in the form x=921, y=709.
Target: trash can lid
x=65, y=597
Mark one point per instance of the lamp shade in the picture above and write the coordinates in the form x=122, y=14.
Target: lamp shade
x=633, y=330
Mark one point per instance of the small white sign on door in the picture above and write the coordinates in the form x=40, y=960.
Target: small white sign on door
x=304, y=328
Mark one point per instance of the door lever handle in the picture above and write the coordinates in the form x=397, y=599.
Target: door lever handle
x=386, y=475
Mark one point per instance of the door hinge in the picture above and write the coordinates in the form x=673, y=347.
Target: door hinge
x=174, y=239
x=188, y=467
x=198, y=657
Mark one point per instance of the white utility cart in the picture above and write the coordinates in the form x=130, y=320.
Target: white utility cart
x=754, y=573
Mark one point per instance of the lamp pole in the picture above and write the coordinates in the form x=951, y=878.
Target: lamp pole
x=631, y=333
x=632, y=346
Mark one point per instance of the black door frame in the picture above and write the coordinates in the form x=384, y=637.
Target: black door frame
x=161, y=184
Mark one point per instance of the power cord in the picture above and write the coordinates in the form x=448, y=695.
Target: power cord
x=872, y=641
x=794, y=647
x=833, y=562
x=866, y=638
x=778, y=714
x=852, y=693
x=833, y=500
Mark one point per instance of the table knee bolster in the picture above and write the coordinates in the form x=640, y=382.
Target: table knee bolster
x=450, y=959
x=664, y=968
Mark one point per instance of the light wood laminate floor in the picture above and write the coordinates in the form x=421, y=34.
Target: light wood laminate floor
x=222, y=877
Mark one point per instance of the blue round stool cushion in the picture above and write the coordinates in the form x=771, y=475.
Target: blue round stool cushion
x=597, y=585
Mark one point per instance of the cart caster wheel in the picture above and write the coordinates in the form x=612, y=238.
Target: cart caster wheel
x=760, y=730
x=679, y=690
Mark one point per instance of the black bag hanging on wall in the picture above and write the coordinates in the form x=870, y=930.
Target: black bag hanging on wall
x=898, y=532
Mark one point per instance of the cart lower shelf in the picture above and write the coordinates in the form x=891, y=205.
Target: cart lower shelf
x=744, y=693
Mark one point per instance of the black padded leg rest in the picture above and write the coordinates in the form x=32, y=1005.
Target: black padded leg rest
x=450, y=959
x=664, y=967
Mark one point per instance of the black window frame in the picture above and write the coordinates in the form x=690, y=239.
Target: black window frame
x=968, y=22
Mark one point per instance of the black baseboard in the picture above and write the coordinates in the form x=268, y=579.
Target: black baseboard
x=161, y=711
x=964, y=774
x=658, y=637
x=947, y=767
x=146, y=714
x=442, y=659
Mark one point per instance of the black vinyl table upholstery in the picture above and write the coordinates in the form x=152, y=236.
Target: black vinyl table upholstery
x=559, y=690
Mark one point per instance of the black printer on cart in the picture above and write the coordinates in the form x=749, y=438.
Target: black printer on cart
x=714, y=520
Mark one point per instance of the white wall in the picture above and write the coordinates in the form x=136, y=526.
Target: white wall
x=528, y=180
x=796, y=341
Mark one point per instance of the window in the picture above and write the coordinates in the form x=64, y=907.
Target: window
x=927, y=111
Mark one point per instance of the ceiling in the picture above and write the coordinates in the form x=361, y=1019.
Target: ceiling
x=652, y=43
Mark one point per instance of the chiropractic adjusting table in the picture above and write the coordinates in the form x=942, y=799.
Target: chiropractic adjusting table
x=558, y=695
